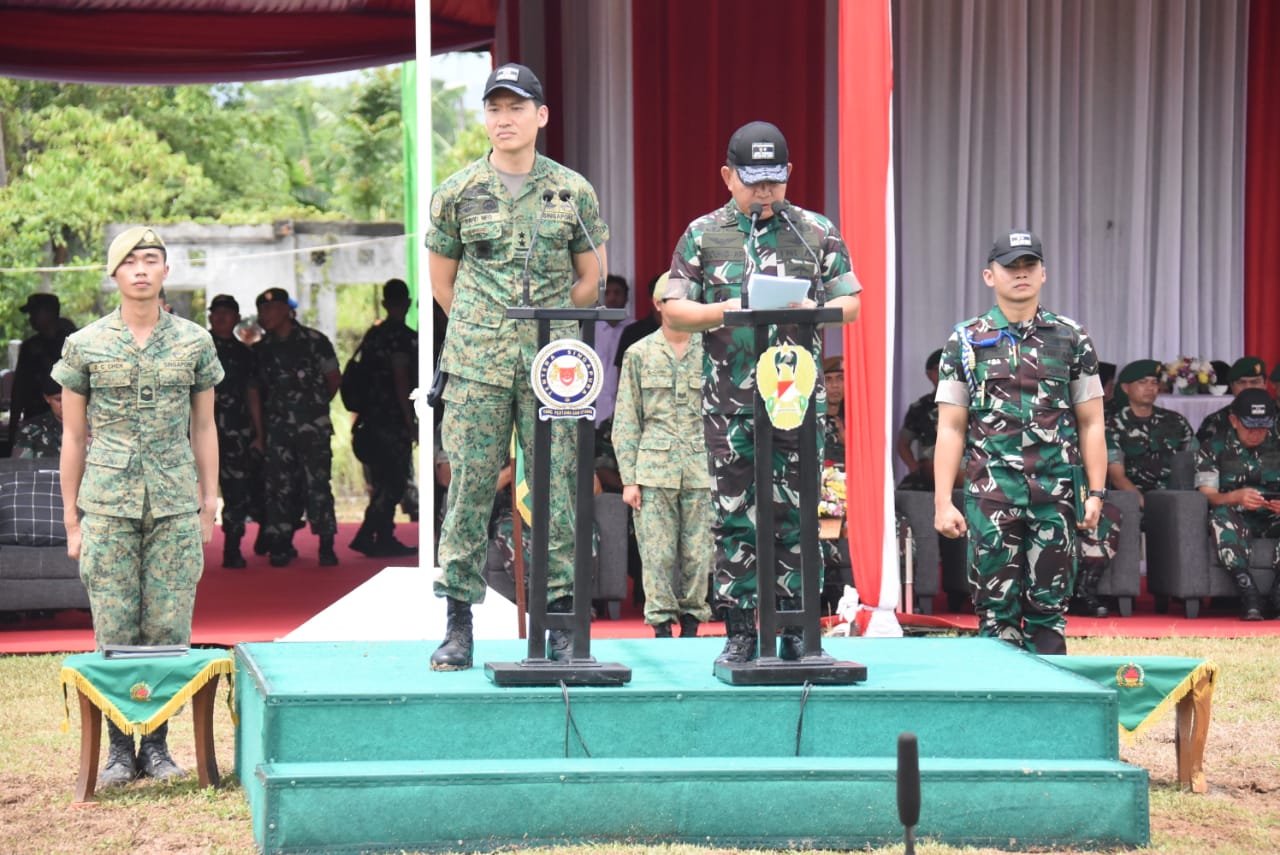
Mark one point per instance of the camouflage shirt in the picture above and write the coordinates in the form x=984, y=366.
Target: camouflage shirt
x=709, y=266
x=1225, y=463
x=1216, y=423
x=381, y=344
x=1146, y=446
x=290, y=374
x=920, y=425
x=139, y=412
x=1020, y=386
x=40, y=437
x=231, y=396
x=475, y=221
x=657, y=423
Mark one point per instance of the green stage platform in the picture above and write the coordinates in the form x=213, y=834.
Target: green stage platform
x=360, y=747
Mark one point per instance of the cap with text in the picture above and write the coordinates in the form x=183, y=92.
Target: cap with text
x=1011, y=246
x=516, y=78
x=1254, y=408
x=138, y=237
x=758, y=151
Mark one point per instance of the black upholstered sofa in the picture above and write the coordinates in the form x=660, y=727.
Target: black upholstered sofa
x=35, y=571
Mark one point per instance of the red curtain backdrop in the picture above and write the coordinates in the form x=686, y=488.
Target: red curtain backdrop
x=1262, y=185
x=701, y=70
x=866, y=88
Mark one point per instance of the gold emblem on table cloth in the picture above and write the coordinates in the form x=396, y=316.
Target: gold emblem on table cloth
x=1130, y=676
x=140, y=692
x=785, y=376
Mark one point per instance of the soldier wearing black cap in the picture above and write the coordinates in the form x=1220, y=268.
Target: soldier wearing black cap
x=1239, y=473
x=239, y=466
x=36, y=357
x=1247, y=372
x=919, y=432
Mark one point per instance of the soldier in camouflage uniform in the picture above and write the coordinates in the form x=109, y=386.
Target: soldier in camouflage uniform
x=1247, y=372
x=662, y=460
x=482, y=235
x=707, y=273
x=1019, y=399
x=1239, y=473
x=42, y=435
x=919, y=433
x=1141, y=437
x=239, y=466
x=295, y=376
x=139, y=381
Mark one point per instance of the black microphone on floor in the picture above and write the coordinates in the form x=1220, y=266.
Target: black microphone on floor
x=909, y=788
x=547, y=196
x=780, y=209
x=567, y=197
x=754, y=212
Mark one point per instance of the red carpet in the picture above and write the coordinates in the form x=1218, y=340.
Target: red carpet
x=263, y=603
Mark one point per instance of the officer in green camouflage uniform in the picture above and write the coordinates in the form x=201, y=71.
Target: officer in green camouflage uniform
x=239, y=466
x=295, y=376
x=1247, y=372
x=1239, y=473
x=482, y=232
x=42, y=435
x=662, y=460
x=919, y=433
x=140, y=382
x=1141, y=437
x=707, y=273
x=1019, y=399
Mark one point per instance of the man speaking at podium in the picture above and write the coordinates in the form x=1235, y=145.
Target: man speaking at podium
x=757, y=231
x=504, y=233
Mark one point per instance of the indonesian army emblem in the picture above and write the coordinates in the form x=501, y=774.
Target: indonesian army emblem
x=785, y=377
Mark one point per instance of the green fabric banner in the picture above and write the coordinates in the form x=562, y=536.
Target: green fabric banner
x=1147, y=686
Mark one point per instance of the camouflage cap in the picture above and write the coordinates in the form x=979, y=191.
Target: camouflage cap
x=1247, y=366
x=138, y=237
x=1139, y=369
x=1254, y=408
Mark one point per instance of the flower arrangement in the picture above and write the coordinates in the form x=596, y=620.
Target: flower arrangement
x=1187, y=375
x=831, y=500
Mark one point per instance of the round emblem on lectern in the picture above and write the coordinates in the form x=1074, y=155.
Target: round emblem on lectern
x=566, y=377
x=785, y=377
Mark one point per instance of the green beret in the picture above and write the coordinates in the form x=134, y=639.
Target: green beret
x=138, y=237
x=1138, y=369
x=1247, y=366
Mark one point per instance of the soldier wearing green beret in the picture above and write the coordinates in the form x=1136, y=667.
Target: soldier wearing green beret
x=1141, y=437
x=482, y=233
x=139, y=381
x=1247, y=372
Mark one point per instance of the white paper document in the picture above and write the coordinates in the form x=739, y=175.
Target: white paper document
x=775, y=292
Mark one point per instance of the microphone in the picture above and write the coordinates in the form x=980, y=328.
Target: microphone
x=754, y=211
x=819, y=292
x=909, y=788
x=566, y=196
x=547, y=196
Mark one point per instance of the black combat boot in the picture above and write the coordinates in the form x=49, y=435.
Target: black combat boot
x=328, y=558
x=1250, y=598
x=282, y=551
x=560, y=641
x=1048, y=642
x=365, y=541
x=231, y=557
x=1086, y=600
x=689, y=626
x=790, y=638
x=662, y=630
x=740, y=627
x=261, y=543
x=153, y=756
x=122, y=765
x=454, y=653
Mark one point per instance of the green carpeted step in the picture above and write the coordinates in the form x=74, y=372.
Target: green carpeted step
x=775, y=802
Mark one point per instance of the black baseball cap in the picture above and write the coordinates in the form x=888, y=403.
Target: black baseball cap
x=1254, y=408
x=41, y=300
x=276, y=295
x=224, y=301
x=1011, y=246
x=758, y=150
x=517, y=78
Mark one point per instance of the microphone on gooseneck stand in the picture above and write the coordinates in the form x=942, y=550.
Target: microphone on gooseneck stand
x=780, y=209
x=754, y=211
x=547, y=196
x=566, y=196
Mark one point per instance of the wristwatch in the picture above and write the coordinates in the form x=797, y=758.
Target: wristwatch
x=1098, y=494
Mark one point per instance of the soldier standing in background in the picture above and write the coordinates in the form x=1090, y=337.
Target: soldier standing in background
x=919, y=433
x=391, y=349
x=296, y=375
x=36, y=356
x=483, y=222
x=1020, y=401
x=140, y=381
x=662, y=460
x=237, y=467
x=42, y=435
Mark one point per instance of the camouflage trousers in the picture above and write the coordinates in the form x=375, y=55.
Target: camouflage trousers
x=141, y=576
x=1021, y=566
x=299, y=465
x=387, y=472
x=731, y=462
x=476, y=437
x=673, y=532
x=1233, y=528
x=240, y=479
x=1101, y=543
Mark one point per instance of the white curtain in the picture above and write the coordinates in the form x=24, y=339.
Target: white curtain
x=1115, y=130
